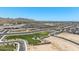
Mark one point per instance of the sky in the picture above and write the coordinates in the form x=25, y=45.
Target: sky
x=42, y=13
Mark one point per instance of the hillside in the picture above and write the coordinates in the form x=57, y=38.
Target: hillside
x=15, y=20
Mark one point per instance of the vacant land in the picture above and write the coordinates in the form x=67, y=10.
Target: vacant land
x=62, y=44
x=69, y=36
x=33, y=39
x=7, y=48
x=57, y=44
x=45, y=47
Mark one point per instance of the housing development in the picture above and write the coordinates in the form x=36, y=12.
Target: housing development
x=28, y=35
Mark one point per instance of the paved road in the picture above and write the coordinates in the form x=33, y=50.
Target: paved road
x=27, y=33
x=21, y=33
x=0, y=36
x=22, y=46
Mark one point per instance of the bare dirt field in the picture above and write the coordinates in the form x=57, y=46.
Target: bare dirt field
x=57, y=44
x=73, y=37
x=45, y=47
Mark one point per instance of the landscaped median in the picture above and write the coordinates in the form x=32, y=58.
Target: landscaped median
x=33, y=39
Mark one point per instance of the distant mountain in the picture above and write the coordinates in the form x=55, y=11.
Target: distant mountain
x=26, y=19
x=15, y=20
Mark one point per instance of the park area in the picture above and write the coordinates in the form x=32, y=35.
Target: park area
x=33, y=39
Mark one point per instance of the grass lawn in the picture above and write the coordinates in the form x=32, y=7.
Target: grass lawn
x=30, y=37
x=7, y=48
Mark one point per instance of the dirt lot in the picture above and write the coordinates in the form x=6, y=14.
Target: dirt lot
x=70, y=36
x=57, y=44
x=46, y=47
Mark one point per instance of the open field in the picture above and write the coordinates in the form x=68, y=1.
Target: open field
x=63, y=45
x=57, y=44
x=69, y=36
x=45, y=47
